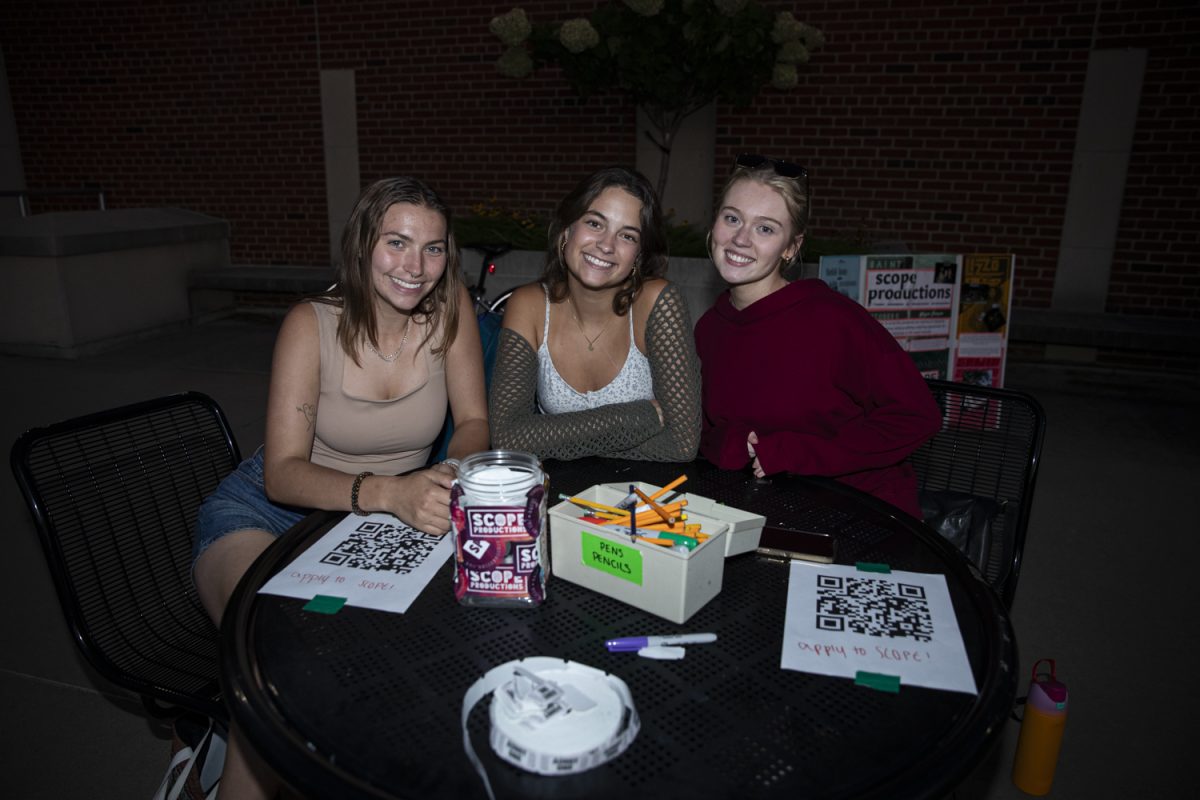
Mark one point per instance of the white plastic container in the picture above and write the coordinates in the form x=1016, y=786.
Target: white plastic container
x=745, y=528
x=671, y=583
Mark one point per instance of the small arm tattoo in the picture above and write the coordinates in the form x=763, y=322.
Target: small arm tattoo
x=310, y=413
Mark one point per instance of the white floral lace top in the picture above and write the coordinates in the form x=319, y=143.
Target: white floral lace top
x=556, y=396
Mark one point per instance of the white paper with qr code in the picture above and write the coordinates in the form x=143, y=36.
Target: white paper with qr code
x=841, y=620
x=374, y=561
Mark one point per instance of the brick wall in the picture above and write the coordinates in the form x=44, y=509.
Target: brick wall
x=948, y=126
x=951, y=127
x=215, y=107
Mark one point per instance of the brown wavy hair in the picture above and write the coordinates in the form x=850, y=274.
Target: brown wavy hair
x=354, y=290
x=652, y=253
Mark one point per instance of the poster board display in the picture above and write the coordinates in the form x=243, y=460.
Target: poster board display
x=948, y=311
x=984, y=310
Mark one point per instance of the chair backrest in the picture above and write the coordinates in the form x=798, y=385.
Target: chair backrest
x=987, y=451
x=489, y=337
x=114, y=497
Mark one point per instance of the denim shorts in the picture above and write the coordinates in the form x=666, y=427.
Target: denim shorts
x=240, y=503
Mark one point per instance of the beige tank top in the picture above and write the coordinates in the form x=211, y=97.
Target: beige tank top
x=386, y=437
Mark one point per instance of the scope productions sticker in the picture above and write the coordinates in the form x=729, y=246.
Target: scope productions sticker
x=500, y=550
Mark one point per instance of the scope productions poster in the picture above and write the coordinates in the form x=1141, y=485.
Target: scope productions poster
x=915, y=297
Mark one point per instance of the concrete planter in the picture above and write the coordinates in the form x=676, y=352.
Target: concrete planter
x=77, y=282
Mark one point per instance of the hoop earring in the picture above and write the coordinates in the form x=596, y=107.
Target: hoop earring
x=562, y=251
x=633, y=279
x=708, y=243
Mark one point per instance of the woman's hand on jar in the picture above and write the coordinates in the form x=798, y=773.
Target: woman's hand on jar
x=422, y=499
x=449, y=467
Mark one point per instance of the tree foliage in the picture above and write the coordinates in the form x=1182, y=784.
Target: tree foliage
x=670, y=57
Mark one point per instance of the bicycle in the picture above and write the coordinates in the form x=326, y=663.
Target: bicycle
x=487, y=267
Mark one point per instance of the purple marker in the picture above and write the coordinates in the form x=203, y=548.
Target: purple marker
x=631, y=644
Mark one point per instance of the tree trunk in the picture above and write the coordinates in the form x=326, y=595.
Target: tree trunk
x=667, y=125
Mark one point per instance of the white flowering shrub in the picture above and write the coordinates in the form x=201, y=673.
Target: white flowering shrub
x=511, y=28
x=578, y=35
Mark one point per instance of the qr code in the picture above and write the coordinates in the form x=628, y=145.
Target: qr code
x=383, y=547
x=873, y=607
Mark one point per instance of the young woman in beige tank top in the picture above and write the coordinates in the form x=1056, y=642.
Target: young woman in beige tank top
x=359, y=388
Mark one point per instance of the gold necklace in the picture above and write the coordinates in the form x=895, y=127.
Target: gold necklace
x=403, y=341
x=592, y=341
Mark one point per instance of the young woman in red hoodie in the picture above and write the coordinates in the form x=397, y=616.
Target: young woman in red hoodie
x=796, y=377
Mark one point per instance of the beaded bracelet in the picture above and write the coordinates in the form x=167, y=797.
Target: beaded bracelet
x=354, y=493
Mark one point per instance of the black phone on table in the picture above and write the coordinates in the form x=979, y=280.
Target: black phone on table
x=790, y=543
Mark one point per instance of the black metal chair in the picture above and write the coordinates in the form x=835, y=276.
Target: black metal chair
x=489, y=337
x=114, y=497
x=977, y=475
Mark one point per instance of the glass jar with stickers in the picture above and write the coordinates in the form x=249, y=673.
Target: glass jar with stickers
x=498, y=519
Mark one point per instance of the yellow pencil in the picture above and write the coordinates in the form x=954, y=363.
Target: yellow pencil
x=677, y=527
x=598, y=506
x=668, y=487
x=655, y=507
x=644, y=518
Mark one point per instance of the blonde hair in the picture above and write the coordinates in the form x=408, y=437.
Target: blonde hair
x=793, y=191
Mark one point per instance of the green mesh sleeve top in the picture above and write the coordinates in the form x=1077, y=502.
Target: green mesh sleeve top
x=620, y=430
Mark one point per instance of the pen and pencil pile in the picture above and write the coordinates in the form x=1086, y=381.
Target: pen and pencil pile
x=643, y=518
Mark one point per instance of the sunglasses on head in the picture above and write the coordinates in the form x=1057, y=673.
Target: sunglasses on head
x=785, y=169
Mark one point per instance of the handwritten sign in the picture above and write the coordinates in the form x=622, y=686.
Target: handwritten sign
x=609, y=556
x=841, y=621
x=374, y=561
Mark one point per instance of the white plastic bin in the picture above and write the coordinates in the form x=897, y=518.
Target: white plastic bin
x=669, y=582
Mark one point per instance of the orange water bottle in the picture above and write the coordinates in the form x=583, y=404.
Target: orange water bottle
x=1041, y=732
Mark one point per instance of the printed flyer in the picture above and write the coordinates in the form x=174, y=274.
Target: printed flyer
x=899, y=626
x=915, y=297
x=985, y=305
x=842, y=274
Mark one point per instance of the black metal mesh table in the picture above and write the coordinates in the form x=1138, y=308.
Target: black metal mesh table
x=365, y=703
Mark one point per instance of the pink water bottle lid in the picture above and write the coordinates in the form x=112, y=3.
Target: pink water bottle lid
x=1047, y=693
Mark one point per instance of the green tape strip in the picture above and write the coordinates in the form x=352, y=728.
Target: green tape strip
x=871, y=566
x=325, y=604
x=878, y=682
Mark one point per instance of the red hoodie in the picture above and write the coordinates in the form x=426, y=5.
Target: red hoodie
x=825, y=387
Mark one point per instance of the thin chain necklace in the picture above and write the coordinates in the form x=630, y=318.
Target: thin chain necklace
x=591, y=341
x=389, y=359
